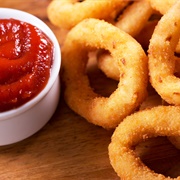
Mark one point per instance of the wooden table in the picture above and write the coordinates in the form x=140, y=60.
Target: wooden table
x=68, y=147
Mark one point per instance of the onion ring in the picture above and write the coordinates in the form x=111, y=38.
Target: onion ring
x=139, y=11
x=161, y=56
x=60, y=12
x=162, y=6
x=158, y=121
x=132, y=61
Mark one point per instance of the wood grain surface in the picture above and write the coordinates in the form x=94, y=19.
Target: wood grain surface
x=68, y=147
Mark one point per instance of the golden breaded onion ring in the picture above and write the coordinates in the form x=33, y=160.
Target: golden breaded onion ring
x=134, y=17
x=162, y=5
x=161, y=56
x=158, y=121
x=68, y=13
x=107, y=112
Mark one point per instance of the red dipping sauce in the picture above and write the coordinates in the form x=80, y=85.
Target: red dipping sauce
x=26, y=55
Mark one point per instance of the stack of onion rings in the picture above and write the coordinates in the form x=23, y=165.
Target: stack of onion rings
x=122, y=58
x=132, y=62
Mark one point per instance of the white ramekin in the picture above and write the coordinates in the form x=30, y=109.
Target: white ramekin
x=22, y=122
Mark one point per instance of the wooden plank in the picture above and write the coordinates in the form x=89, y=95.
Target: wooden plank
x=68, y=147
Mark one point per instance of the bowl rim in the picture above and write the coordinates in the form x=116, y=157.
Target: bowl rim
x=7, y=13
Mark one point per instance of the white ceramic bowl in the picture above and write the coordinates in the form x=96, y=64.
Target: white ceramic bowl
x=22, y=122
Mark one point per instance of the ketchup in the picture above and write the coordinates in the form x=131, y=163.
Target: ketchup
x=26, y=55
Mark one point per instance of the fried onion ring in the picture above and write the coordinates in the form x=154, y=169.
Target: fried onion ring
x=158, y=121
x=134, y=17
x=139, y=11
x=68, y=13
x=132, y=62
x=161, y=56
x=162, y=6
